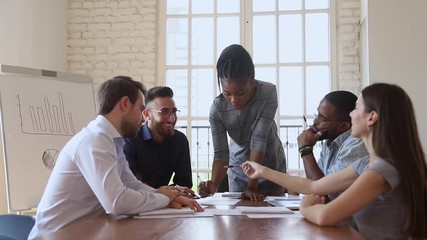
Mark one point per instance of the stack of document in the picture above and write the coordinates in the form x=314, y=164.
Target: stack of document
x=167, y=212
x=231, y=194
x=269, y=210
x=289, y=201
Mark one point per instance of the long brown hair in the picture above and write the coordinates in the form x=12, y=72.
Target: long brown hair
x=395, y=139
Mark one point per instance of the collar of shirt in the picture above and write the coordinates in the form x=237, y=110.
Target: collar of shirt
x=145, y=133
x=114, y=134
x=340, y=139
x=108, y=126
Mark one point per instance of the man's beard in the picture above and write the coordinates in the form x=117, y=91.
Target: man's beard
x=325, y=135
x=163, y=133
x=129, y=131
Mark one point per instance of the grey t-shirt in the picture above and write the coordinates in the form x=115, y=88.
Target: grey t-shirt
x=384, y=217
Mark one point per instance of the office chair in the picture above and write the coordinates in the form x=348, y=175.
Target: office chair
x=15, y=227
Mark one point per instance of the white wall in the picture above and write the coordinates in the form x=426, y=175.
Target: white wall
x=397, y=50
x=33, y=33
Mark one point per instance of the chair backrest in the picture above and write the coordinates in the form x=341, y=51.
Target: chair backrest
x=15, y=226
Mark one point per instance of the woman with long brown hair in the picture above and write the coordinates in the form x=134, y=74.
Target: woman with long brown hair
x=386, y=193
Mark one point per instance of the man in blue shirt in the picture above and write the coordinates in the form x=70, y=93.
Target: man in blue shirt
x=331, y=126
x=159, y=151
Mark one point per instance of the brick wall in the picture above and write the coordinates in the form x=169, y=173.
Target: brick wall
x=348, y=45
x=109, y=38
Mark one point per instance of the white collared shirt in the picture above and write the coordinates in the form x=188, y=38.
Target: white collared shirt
x=92, y=177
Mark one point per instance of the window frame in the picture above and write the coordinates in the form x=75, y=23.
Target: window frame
x=246, y=40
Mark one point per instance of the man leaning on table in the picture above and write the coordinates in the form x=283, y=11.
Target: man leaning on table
x=92, y=177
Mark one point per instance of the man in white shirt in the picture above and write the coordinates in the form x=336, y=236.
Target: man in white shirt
x=92, y=177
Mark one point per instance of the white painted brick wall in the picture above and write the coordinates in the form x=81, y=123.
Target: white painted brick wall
x=109, y=38
x=348, y=45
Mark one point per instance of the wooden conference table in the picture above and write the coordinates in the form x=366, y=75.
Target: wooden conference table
x=202, y=228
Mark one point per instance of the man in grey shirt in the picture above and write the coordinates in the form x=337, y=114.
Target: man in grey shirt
x=332, y=126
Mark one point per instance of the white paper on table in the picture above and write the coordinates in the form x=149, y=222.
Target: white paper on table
x=265, y=215
x=290, y=201
x=174, y=213
x=223, y=212
x=168, y=211
x=296, y=214
x=286, y=197
x=195, y=215
x=217, y=201
x=270, y=210
x=231, y=194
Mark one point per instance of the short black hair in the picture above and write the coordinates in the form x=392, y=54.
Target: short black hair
x=235, y=62
x=159, y=91
x=344, y=102
x=111, y=91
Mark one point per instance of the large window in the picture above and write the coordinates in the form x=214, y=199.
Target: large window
x=291, y=45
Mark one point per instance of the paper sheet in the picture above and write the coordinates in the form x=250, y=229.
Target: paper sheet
x=218, y=201
x=270, y=210
x=295, y=215
x=168, y=211
x=290, y=201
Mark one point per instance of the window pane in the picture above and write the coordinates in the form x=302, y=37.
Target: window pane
x=228, y=6
x=201, y=145
x=201, y=6
x=290, y=38
x=177, y=41
x=264, y=35
x=289, y=5
x=316, y=4
x=263, y=5
x=228, y=32
x=178, y=81
x=202, y=88
x=289, y=131
x=266, y=74
x=291, y=91
x=202, y=41
x=181, y=125
x=317, y=37
x=318, y=85
x=177, y=7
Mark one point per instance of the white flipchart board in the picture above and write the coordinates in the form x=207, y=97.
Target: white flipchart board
x=40, y=110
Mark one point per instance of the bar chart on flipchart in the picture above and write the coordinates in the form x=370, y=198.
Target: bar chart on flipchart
x=40, y=111
x=50, y=118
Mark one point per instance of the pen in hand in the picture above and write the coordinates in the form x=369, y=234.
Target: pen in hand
x=231, y=166
x=305, y=125
x=185, y=191
x=200, y=180
x=203, y=187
